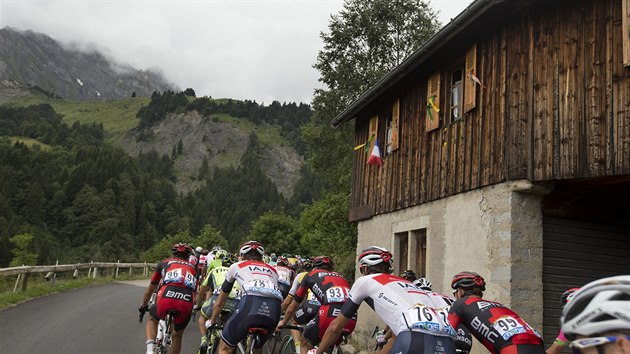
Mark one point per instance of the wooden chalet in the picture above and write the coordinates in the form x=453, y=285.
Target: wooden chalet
x=506, y=149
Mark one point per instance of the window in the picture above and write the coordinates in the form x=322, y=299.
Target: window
x=389, y=131
x=411, y=251
x=456, y=93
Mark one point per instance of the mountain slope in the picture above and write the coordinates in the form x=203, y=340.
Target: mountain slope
x=38, y=60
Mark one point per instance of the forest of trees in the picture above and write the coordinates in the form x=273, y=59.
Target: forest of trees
x=72, y=197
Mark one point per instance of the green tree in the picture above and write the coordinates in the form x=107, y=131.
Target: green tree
x=277, y=232
x=326, y=231
x=366, y=40
x=21, y=253
x=210, y=237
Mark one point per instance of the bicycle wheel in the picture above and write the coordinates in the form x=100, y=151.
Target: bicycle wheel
x=214, y=346
x=288, y=346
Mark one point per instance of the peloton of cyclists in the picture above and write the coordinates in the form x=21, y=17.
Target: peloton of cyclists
x=331, y=290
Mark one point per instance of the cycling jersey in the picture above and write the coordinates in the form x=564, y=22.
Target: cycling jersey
x=285, y=278
x=203, y=260
x=327, y=286
x=255, y=278
x=493, y=324
x=400, y=304
x=215, y=263
x=215, y=279
x=177, y=292
x=463, y=342
x=309, y=307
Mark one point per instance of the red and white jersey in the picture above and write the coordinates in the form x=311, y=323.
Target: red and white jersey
x=400, y=304
x=285, y=275
x=203, y=260
x=255, y=278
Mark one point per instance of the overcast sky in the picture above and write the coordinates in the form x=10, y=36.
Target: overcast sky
x=243, y=49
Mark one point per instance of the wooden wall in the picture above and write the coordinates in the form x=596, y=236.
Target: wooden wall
x=556, y=105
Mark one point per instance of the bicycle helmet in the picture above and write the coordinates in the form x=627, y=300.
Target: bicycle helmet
x=282, y=261
x=568, y=295
x=323, y=262
x=220, y=254
x=598, y=307
x=251, y=246
x=373, y=256
x=468, y=280
x=306, y=266
x=182, y=249
x=228, y=259
x=423, y=284
x=205, y=252
x=409, y=275
x=198, y=249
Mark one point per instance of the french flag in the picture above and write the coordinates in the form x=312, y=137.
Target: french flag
x=375, y=157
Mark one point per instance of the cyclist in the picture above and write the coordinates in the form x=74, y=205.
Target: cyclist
x=307, y=310
x=561, y=341
x=382, y=339
x=597, y=319
x=177, y=291
x=331, y=289
x=495, y=326
x=463, y=342
x=285, y=275
x=272, y=259
x=416, y=323
x=218, y=259
x=213, y=282
x=260, y=305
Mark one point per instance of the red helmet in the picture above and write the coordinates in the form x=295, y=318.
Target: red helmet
x=375, y=255
x=468, y=280
x=182, y=250
x=251, y=246
x=323, y=262
x=282, y=261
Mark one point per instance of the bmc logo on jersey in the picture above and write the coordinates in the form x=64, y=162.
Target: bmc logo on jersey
x=484, y=330
x=485, y=304
x=178, y=296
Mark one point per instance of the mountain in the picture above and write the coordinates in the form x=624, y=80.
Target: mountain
x=40, y=61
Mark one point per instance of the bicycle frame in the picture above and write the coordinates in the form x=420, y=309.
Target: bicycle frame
x=164, y=338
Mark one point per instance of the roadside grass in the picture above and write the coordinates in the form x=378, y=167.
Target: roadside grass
x=37, y=289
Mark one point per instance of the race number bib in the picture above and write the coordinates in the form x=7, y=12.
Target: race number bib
x=284, y=278
x=337, y=294
x=312, y=299
x=263, y=288
x=180, y=276
x=507, y=326
x=426, y=319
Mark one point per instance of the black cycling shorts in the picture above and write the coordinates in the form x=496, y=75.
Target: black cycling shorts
x=305, y=312
x=228, y=307
x=252, y=312
x=408, y=342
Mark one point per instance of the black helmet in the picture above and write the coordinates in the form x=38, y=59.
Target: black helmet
x=409, y=275
x=182, y=250
x=468, y=280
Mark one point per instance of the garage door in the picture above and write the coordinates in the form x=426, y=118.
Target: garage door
x=575, y=253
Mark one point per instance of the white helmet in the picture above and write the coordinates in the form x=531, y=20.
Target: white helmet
x=375, y=255
x=251, y=245
x=198, y=249
x=598, y=307
x=423, y=284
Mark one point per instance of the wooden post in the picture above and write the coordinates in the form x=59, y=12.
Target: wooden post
x=116, y=274
x=75, y=274
x=16, y=283
x=24, y=281
x=130, y=268
x=625, y=28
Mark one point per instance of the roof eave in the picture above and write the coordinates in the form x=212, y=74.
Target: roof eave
x=438, y=40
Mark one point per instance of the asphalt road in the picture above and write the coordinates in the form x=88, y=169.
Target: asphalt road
x=97, y=319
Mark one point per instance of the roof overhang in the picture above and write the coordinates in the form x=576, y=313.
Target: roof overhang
x=417, y=58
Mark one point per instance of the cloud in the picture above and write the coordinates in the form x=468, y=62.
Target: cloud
x=255, y=49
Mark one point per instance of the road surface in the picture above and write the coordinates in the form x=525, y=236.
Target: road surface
x=98, y=319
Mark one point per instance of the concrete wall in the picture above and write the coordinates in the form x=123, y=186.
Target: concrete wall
x=495, y=231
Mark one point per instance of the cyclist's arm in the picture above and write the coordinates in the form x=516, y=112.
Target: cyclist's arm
x=147, y=294
x=288, y=314
x=286, y=303
x=218, y=306
x=332, y=333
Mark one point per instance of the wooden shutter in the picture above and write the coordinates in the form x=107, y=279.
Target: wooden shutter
x=395, y=119
x=625, y=26
x=373, y=133
x=432, y=108
x=470, y=87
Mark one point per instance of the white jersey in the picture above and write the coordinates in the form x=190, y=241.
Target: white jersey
x=285, y=275
x=400, y=304
x=255, y=278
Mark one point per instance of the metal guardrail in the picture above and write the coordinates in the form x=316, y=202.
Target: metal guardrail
x=23, y=272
